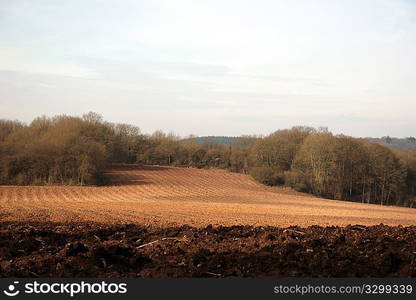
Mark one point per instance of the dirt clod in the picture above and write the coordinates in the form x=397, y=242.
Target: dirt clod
x=102, y=250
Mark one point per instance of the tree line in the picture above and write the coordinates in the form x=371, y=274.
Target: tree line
x=71, y=150
x=76, y=151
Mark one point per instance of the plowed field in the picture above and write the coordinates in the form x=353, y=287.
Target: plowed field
x=169, y=196
x=101, y=250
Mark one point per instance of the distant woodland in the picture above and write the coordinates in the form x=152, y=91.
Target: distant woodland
x=68, y=150
x=408, y=143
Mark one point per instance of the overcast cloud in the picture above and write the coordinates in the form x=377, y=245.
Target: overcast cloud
x=213, y=67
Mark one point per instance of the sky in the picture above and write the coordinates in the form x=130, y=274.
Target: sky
x=213, y=67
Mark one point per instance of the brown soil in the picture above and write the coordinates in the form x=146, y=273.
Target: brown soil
x=168, y=196
x=136, y=227
x=99, y=250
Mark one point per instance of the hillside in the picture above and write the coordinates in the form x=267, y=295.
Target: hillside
x=240, y=141
x=222, y=140
x=76, y=151
x=408, y=143
x=155, y=195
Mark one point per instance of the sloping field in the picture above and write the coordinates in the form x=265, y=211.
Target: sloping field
x=169, y=196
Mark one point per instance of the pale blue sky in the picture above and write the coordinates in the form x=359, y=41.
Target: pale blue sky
x=213, y=67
